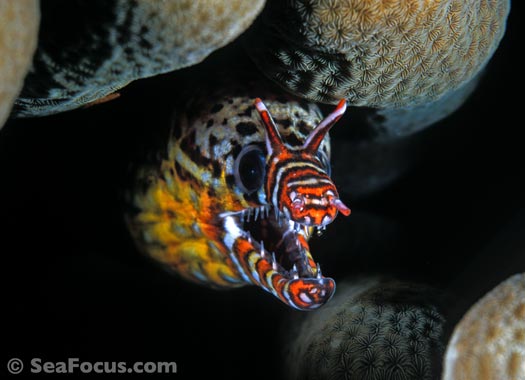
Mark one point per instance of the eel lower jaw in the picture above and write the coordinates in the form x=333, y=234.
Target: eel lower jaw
x=279, y=260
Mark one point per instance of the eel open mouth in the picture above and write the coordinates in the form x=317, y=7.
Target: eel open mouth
x=281, y=240
x=275, y=256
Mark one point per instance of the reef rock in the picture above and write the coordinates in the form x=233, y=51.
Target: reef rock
x=413, y=63
x=376, y=53
x=489, y=342
x=89, y=49
x=371, y=329
x=19, y=22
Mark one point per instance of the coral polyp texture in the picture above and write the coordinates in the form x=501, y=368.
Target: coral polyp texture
x=89, y=49
x=371, y=329
x=18, y=35
x=376, y=53
x=489, y=342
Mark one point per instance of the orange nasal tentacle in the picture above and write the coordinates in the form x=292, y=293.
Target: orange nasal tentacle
x=273, y=138
x=315, y=137
x=341, y=207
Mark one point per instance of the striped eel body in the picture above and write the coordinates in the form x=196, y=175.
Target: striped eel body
x=237, y=196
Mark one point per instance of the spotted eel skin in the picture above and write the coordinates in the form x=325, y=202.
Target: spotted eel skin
x=238, y=195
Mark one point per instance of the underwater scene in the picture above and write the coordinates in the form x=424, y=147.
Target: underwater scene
x=272, y=189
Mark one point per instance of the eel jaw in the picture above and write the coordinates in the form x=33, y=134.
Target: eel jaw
x=271, y=251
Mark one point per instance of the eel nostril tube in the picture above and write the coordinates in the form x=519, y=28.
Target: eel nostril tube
x=340, y=206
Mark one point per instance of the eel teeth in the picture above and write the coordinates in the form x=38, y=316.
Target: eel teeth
x=230, y=213
x=287, y=214
x=294, y=273
x=319, y=274
x=246, y=214
x=263, y=253
x=276, y=212
x=304, y=257
x=274, y=262
x=306, y=232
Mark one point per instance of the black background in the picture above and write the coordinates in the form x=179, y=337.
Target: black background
x=74, y=285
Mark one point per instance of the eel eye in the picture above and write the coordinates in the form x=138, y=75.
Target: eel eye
x=250, y=168
x=325, y=162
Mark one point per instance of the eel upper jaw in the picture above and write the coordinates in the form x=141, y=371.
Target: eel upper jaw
x=281, y=243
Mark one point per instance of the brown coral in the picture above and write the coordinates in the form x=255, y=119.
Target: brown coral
x=89, y=49
x=371, y=329
x=18, y=35
x=376, y=53
x=489, y=342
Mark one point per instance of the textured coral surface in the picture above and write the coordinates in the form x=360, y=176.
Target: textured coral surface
x=489, y=342
x=370, y=330
x=376, y=53
x=89, y=49
x=18, y=34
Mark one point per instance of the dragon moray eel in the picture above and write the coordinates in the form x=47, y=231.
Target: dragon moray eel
x=238, y=195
